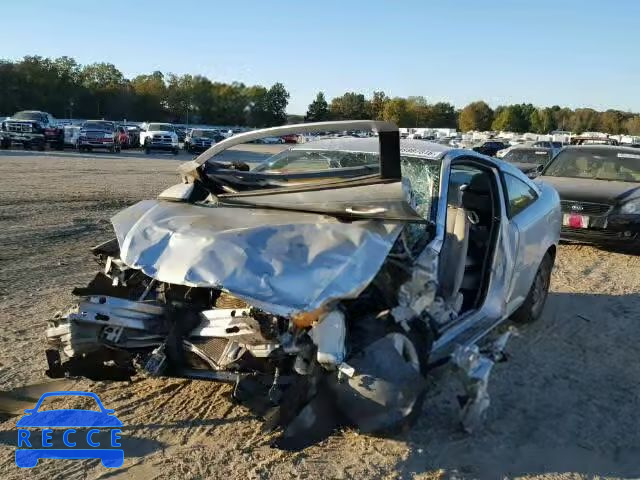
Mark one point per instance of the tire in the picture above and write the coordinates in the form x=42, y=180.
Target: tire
x=147, y=150
x=59, y=146
x=176, y=151
x=112, y=149
x=533, y=305
x=419, y=335
x=6, y=144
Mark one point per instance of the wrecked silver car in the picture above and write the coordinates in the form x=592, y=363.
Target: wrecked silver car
x=324, y=283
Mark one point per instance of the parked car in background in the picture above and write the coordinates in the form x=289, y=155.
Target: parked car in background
x=34, y=129
x=290, y=138
x=5, y=139
x=489, y=147
x=159, y=136
x=71, y=135
x=270, y=140
x=593, y=140
x=182, y=133
x=329, y=280
x=599, y=188
x=530, y=160
x=123, y=136
x=548, y=144
x=200, y=139
x=133, y=131
x=99, y=134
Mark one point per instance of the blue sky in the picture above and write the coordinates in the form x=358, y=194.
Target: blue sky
x=572, y=53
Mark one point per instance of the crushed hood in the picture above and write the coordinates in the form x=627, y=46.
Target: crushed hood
x=281, y=261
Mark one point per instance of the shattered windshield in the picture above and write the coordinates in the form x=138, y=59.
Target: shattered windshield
x=596, y=163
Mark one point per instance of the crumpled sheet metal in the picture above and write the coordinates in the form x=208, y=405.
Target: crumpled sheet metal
x=281, y=261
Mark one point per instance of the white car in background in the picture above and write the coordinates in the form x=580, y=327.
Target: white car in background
x=71, y=135
x=159, y=136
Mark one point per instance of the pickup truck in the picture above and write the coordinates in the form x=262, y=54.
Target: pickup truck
x=159, y=136
x=33, y=129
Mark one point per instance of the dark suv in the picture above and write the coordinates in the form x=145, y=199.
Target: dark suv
x=32, y=129
x=489, y=147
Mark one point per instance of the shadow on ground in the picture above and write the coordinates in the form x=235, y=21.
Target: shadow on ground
x=566, y=401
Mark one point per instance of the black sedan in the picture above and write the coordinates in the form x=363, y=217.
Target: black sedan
x=528, y=159
x=599, y=189
x=489, y=147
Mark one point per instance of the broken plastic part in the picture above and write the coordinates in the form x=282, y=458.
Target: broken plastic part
x=156, y=363
x=417, y=297
x=329, y=335
x=475, y=369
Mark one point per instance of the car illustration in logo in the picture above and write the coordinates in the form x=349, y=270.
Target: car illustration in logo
x=69, y=419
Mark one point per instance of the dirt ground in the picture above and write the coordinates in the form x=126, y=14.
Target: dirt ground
x=565, y=405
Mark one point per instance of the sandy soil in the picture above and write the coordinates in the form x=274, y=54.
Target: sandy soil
x=565, y=405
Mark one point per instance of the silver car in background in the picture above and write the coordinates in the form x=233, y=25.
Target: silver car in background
x=324, y=282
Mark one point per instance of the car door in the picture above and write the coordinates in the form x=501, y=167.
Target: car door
x=525, y=215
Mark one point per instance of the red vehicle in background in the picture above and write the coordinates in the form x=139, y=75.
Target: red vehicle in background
x=290, y=138
x=123, y=136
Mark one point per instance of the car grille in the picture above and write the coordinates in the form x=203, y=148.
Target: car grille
x=594, y=234
x=585, y=208
x=19, y=127
x=162, y=139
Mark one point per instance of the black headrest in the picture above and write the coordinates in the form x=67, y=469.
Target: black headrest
x=480, y=184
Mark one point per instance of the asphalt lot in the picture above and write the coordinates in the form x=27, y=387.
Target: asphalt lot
x=565, y=405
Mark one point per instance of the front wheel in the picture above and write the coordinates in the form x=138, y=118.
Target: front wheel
x=532, y=307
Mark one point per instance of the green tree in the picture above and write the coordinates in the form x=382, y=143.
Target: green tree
x=584, y=120
x=632, y=125
x=475, y=116
x=400, y=111
x=441, y=115
x=150, y=96
x=318, y=110
x=270, y=109
x=513, y=118
x=377, y=103
x=350, y=106
x=612, y=121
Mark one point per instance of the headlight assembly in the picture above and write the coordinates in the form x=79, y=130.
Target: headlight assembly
x=632, y=206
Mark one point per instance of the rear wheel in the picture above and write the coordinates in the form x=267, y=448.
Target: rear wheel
x=532, y=307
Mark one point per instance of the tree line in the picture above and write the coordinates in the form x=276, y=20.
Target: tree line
x=67, y=89
x=521, y=118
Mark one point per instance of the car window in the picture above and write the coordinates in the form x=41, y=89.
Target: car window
x=298, y=160
x=596, y=163
x=537, y=156
x=165, y=127
x=519, y=194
